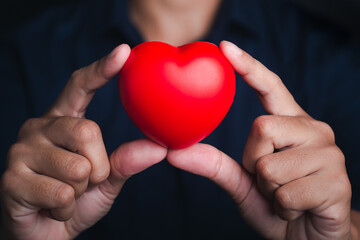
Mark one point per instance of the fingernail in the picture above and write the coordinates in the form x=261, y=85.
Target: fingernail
x=114, y=51
x=233, y=48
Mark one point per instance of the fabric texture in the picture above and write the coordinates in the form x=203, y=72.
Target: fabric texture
x=316, y=61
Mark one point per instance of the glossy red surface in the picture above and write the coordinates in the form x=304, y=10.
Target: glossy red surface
x=177, y=95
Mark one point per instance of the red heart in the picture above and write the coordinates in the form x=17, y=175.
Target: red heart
x=177, y=95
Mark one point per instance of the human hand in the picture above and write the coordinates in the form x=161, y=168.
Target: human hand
x=59, y=179
x=293, y=183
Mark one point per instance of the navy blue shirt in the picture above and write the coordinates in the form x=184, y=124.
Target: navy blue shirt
x=316, y=61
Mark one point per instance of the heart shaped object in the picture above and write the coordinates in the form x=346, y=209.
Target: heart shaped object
x=177, y=95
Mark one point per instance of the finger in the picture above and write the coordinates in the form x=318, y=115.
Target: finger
x=272, y=93
x=83, y=137
x=275, y=170
x=35, y=192
x=270, y=133
x=83, y=83
x=62, y=165
x=287, y=214
x=312, y=193
x=128, y=159
x=209, y=162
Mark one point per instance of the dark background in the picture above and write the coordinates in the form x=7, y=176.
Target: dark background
x=345, y=13
x=342, y=12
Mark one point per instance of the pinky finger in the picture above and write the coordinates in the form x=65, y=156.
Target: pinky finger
x=312, y=193
x=36, y=192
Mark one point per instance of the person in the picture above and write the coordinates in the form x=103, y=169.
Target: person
x=283, y=174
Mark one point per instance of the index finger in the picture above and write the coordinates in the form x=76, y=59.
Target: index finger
x=273, y=94
x=81, y=87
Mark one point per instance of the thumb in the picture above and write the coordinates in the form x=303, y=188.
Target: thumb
x=209, y=162
x=128, y=159
x=273, y=95
x=81, y=87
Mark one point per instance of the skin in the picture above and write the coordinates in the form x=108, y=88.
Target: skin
x=176, y=22
x=59, y=180
x=299, y=191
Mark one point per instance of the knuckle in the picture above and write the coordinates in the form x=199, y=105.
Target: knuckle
x=15, y=151
x=334, y=156
x=87, y=131
x=76, y=74
x=338, y=214
x=263, y=126
x=255, y=66
x=218, y=166
x=282, y=197
x=79, y=169
x=129, y=153
x=64, y=196
x=343, y=186
x=31, y=122
x=98, y=178
x=11, y=180
x=337, y=154
x=98, y=67
x=76, y=78
x=63, y=122
x=325, y=130
x=264, y=169
x=277, y=82
x=339, y=217
x=60, y=121
x=288, y=214
x=28, y=125
x=7, y=183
